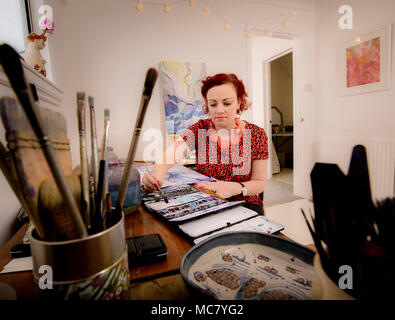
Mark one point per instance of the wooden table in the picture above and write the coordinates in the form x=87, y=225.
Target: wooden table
x=136, y=224
x=160, y=280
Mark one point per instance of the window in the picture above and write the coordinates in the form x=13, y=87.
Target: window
x=15, y=23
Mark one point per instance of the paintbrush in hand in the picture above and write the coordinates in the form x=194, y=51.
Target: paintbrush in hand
x=157, y=184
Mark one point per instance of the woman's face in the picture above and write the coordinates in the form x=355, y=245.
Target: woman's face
x=222, y=104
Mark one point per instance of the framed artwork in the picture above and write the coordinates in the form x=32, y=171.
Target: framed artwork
x=181, y=84
x=365, y=63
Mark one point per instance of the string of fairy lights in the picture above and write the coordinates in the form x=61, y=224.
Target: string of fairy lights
x=281, y=21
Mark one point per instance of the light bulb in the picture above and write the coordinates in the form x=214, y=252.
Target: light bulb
x=249, y=35
x=206, y=9
x=293, y=13
x=227, y=26
x=270, y=34
x=285, y=25
x=358, y=39
x=167, y=8
x=139, y=6
x=192, y=3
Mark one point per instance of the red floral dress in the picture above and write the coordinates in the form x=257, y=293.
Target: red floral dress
x=228, y=164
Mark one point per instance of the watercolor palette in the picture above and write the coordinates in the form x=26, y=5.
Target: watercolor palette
x=185, y=202
x=249, y=266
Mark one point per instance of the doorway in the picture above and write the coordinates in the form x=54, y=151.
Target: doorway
x=281, y=116
x=261, y=51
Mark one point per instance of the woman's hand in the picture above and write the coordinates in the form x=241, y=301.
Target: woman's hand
x=150, y=182
x=224, y=189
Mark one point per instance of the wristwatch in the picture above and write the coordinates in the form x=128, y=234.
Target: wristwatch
x=244, y=189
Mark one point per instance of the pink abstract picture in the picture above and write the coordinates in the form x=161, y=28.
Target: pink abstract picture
x=363, y=63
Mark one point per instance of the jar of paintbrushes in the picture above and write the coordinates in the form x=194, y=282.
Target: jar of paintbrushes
x=78, y=244
x=95, y=267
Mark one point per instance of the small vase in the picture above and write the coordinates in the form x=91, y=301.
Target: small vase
x=32, y=54
x=323, y=288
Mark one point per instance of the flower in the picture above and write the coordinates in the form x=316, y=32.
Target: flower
x=47, y=25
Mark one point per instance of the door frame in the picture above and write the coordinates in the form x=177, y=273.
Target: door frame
x=267, y=99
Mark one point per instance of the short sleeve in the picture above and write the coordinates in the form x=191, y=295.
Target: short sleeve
x=260, y=150
x=190, y=135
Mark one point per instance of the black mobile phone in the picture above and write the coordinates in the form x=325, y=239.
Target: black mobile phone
x=20, y=250
x=146, y=249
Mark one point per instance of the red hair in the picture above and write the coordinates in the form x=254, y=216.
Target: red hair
x=223, y=78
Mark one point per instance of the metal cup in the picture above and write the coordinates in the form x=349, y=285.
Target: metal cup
x=95, y=267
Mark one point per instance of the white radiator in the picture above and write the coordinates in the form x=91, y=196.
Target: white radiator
x=381, y=161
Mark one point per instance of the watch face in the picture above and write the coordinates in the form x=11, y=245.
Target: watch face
x=244, y=190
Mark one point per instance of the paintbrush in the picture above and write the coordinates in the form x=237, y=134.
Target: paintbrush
x=318, y=245
x=83, y=158
x=149, y=84
x=28, y=163
x=107, y=214
x=104, y=151
x=58, y=224
x=95, y=164
x=9, y=59
x=6, y=168
x=157, y=184
x=97, y=220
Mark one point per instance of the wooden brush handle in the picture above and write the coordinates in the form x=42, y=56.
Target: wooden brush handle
x=81, y=116
x=95, y=164
x=83, y=158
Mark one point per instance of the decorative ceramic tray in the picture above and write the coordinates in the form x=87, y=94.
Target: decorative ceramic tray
x=249, y=266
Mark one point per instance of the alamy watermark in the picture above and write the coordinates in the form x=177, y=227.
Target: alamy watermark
x=45, y=281
x=46, y=12
x=346, y=280
x=346, y=20
x=229, y=154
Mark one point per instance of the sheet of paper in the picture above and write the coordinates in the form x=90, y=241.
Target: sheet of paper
x=177, y=175
x=214, y=222
x=157, y=206
x=208, y=210
x=18, y=264
x=258, y=224
x=291, y=216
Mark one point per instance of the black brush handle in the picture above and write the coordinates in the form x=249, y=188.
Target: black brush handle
x=97, y=220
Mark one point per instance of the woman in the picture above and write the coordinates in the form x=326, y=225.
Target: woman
x=232, y=151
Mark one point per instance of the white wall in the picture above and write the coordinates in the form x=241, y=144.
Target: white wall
x=13, y=26
x=105, y=48
x=362, y=116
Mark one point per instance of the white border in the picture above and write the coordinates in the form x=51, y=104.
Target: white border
x=385, y=63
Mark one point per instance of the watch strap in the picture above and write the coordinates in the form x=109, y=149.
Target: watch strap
x=242, y=187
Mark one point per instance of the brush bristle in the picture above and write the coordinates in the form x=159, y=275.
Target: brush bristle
x=107, y=113
x=80, y=95
x=91, y=102
x=151, y=77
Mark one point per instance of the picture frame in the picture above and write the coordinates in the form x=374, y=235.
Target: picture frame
x=365, y=63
